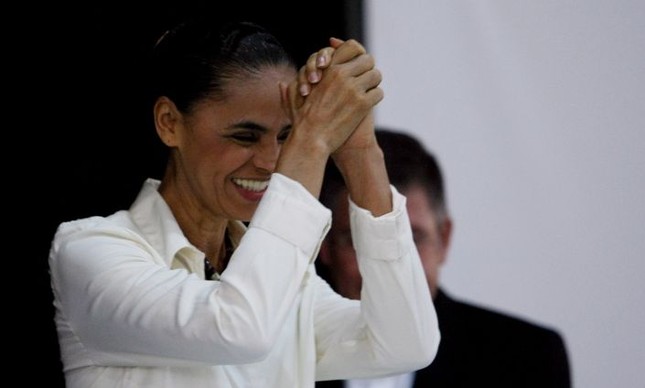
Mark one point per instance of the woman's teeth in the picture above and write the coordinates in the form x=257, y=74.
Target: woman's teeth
x=251, y=184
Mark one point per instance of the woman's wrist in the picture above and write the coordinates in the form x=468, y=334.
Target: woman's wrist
x=303, y=159
x=366, y=178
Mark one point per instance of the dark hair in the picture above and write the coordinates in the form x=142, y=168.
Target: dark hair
x=195, y=59
x=408, y=164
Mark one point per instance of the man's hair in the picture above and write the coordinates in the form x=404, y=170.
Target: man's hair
x=408, y=164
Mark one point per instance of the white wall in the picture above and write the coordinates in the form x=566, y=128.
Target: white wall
x=536, y=110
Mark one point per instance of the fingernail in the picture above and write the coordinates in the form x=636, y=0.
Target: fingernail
x=314, y=77
x=321, y=60
x=304, y=89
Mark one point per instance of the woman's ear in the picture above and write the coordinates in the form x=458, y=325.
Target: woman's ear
x=167, y=119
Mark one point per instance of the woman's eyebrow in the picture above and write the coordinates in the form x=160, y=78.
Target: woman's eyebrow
x=253, y=126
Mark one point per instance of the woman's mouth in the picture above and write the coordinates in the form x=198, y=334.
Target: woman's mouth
x=251, y=189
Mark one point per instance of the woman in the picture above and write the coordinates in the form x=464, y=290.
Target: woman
x=177, y=292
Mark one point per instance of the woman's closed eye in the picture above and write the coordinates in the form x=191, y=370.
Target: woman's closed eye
x=284, y=134
x=245, y=137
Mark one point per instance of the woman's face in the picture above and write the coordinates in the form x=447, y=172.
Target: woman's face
x=229, y=148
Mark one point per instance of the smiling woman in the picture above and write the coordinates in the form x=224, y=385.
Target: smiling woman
x=98, y=159
x=225, y=144
x=178, y=291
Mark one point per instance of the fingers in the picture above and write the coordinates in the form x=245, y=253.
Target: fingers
x=333, y=92
x=335, y=42
x=374, y=96
x=311, y=72
x=340, y=51
x=290, y=99
x=347, y=63
x=354, y=68
x=337, y=104
x=346, y=50
x=304, y=88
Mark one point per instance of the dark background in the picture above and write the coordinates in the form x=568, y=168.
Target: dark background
x=85, y=118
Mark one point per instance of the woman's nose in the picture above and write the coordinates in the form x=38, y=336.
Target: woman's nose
x=266, y=156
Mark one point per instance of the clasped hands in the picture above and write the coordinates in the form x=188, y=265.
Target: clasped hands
x=337, y=89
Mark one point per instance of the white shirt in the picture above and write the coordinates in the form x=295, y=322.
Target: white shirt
x=133, y=309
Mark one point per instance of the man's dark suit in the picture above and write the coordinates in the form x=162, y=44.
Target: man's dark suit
x=484, y=348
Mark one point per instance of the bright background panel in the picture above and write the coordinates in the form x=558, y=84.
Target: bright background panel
x=536, y=110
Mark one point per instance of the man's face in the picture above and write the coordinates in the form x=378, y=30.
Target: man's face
x=431, y=235
x=431, y=239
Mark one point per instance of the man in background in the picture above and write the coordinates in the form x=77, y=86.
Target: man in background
x=479, y=347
